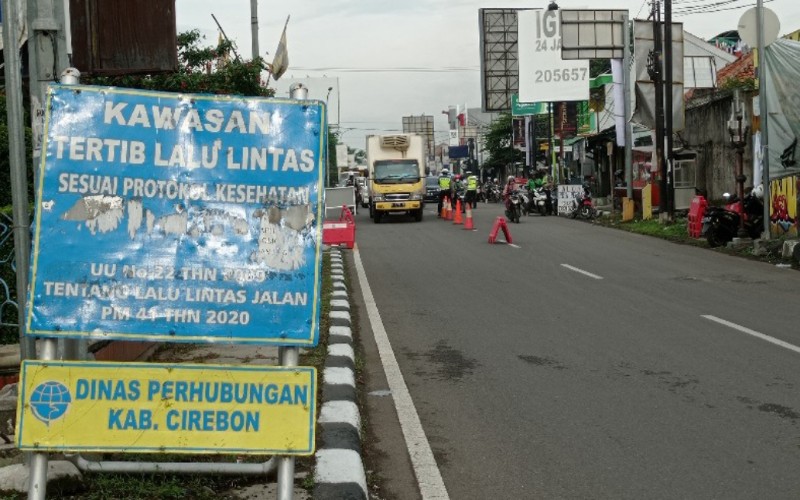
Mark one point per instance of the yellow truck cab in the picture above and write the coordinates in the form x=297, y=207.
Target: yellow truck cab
x=396, y=165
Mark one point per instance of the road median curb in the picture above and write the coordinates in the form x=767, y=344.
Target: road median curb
x=339, y=470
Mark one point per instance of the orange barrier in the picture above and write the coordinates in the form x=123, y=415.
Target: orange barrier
x=468, y=224
x=500, y=223
x=342, y=232
x=696, y=211
x=457, y=219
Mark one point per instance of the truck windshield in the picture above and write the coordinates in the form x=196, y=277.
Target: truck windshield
x=396, y=171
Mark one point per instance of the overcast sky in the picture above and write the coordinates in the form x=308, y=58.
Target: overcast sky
x=369, y=46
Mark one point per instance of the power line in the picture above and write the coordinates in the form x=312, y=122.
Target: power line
x=453, y=69
x=718, y=6
x=640, y=8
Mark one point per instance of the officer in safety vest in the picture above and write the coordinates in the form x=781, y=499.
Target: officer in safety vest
x=471, y=196
x=444, y=188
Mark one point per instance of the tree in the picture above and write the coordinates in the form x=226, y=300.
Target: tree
x=498, y=144
x=359, y=155
x=330, y=164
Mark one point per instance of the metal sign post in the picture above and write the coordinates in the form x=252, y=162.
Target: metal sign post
x=16, y=147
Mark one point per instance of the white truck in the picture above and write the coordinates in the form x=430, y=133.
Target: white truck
x=396, y=164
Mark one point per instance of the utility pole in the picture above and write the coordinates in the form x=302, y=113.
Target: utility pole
x=47, y=57
x=254, y=27
x=764, y=112
x=668, y=105
x=626, y=92
x=658, y=81
x=555, y=167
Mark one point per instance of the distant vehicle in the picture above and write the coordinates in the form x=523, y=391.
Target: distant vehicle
x=362, y=191
x=396, y=165
x=432, y=189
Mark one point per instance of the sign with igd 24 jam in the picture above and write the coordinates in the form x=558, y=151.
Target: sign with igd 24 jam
x=163, y=216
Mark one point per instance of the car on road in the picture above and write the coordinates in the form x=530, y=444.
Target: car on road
x=362, y=191
x=431, y=189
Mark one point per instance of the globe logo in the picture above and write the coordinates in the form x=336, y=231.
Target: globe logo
x=49, y=401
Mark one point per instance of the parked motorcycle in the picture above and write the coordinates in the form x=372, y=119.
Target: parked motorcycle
x=721, y=224
x=525, y=201
x=514, y=207
x=539, y=202
x=583, y=206
x=494, y=193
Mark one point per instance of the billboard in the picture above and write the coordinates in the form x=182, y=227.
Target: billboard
x=543, y=75
x=499, y=58
x=176, y=217
x=645, y=93
x=421, y=125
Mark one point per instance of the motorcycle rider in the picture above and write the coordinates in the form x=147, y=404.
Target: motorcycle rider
x=471, y=196
x=455, y=187
x=546, y=183
x=536, y=181
x=508, y=190
x=444, y=188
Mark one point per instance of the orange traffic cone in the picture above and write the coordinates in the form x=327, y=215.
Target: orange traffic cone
x=468, y=224
x=457, y=218
x=445, y=206
x=448, y=209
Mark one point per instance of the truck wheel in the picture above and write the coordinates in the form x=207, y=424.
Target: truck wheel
x=418, y=215
x=376, y=217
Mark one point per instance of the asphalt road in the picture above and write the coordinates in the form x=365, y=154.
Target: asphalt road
x=584, y=362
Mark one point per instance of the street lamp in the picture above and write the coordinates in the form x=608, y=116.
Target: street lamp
x=738, y=128
x=553, y=5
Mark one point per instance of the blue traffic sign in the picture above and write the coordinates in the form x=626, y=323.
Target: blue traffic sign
x=175, y=217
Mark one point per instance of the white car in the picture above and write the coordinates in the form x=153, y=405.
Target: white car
x=362, y=191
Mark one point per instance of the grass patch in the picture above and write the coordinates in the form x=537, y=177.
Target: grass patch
x=673, y=231
x=677, y=232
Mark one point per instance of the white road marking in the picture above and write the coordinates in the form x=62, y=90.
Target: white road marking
x=754, y=333
x=429, y=478
x=585, y=273
x=513, y=245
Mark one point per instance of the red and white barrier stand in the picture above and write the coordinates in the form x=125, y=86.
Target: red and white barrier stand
x=500, y=223
x=341, y=232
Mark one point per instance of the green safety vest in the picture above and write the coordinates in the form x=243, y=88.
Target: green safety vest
x=444, y=182
x=472, y=183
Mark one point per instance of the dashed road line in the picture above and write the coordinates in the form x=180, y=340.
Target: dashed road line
x=754, y=333
x=581, y=271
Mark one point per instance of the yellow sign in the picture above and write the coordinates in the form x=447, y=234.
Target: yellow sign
x=169, y=408
x=647, y=202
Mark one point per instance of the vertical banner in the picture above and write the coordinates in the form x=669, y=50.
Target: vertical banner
x=170, y=217
x=518, y=131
